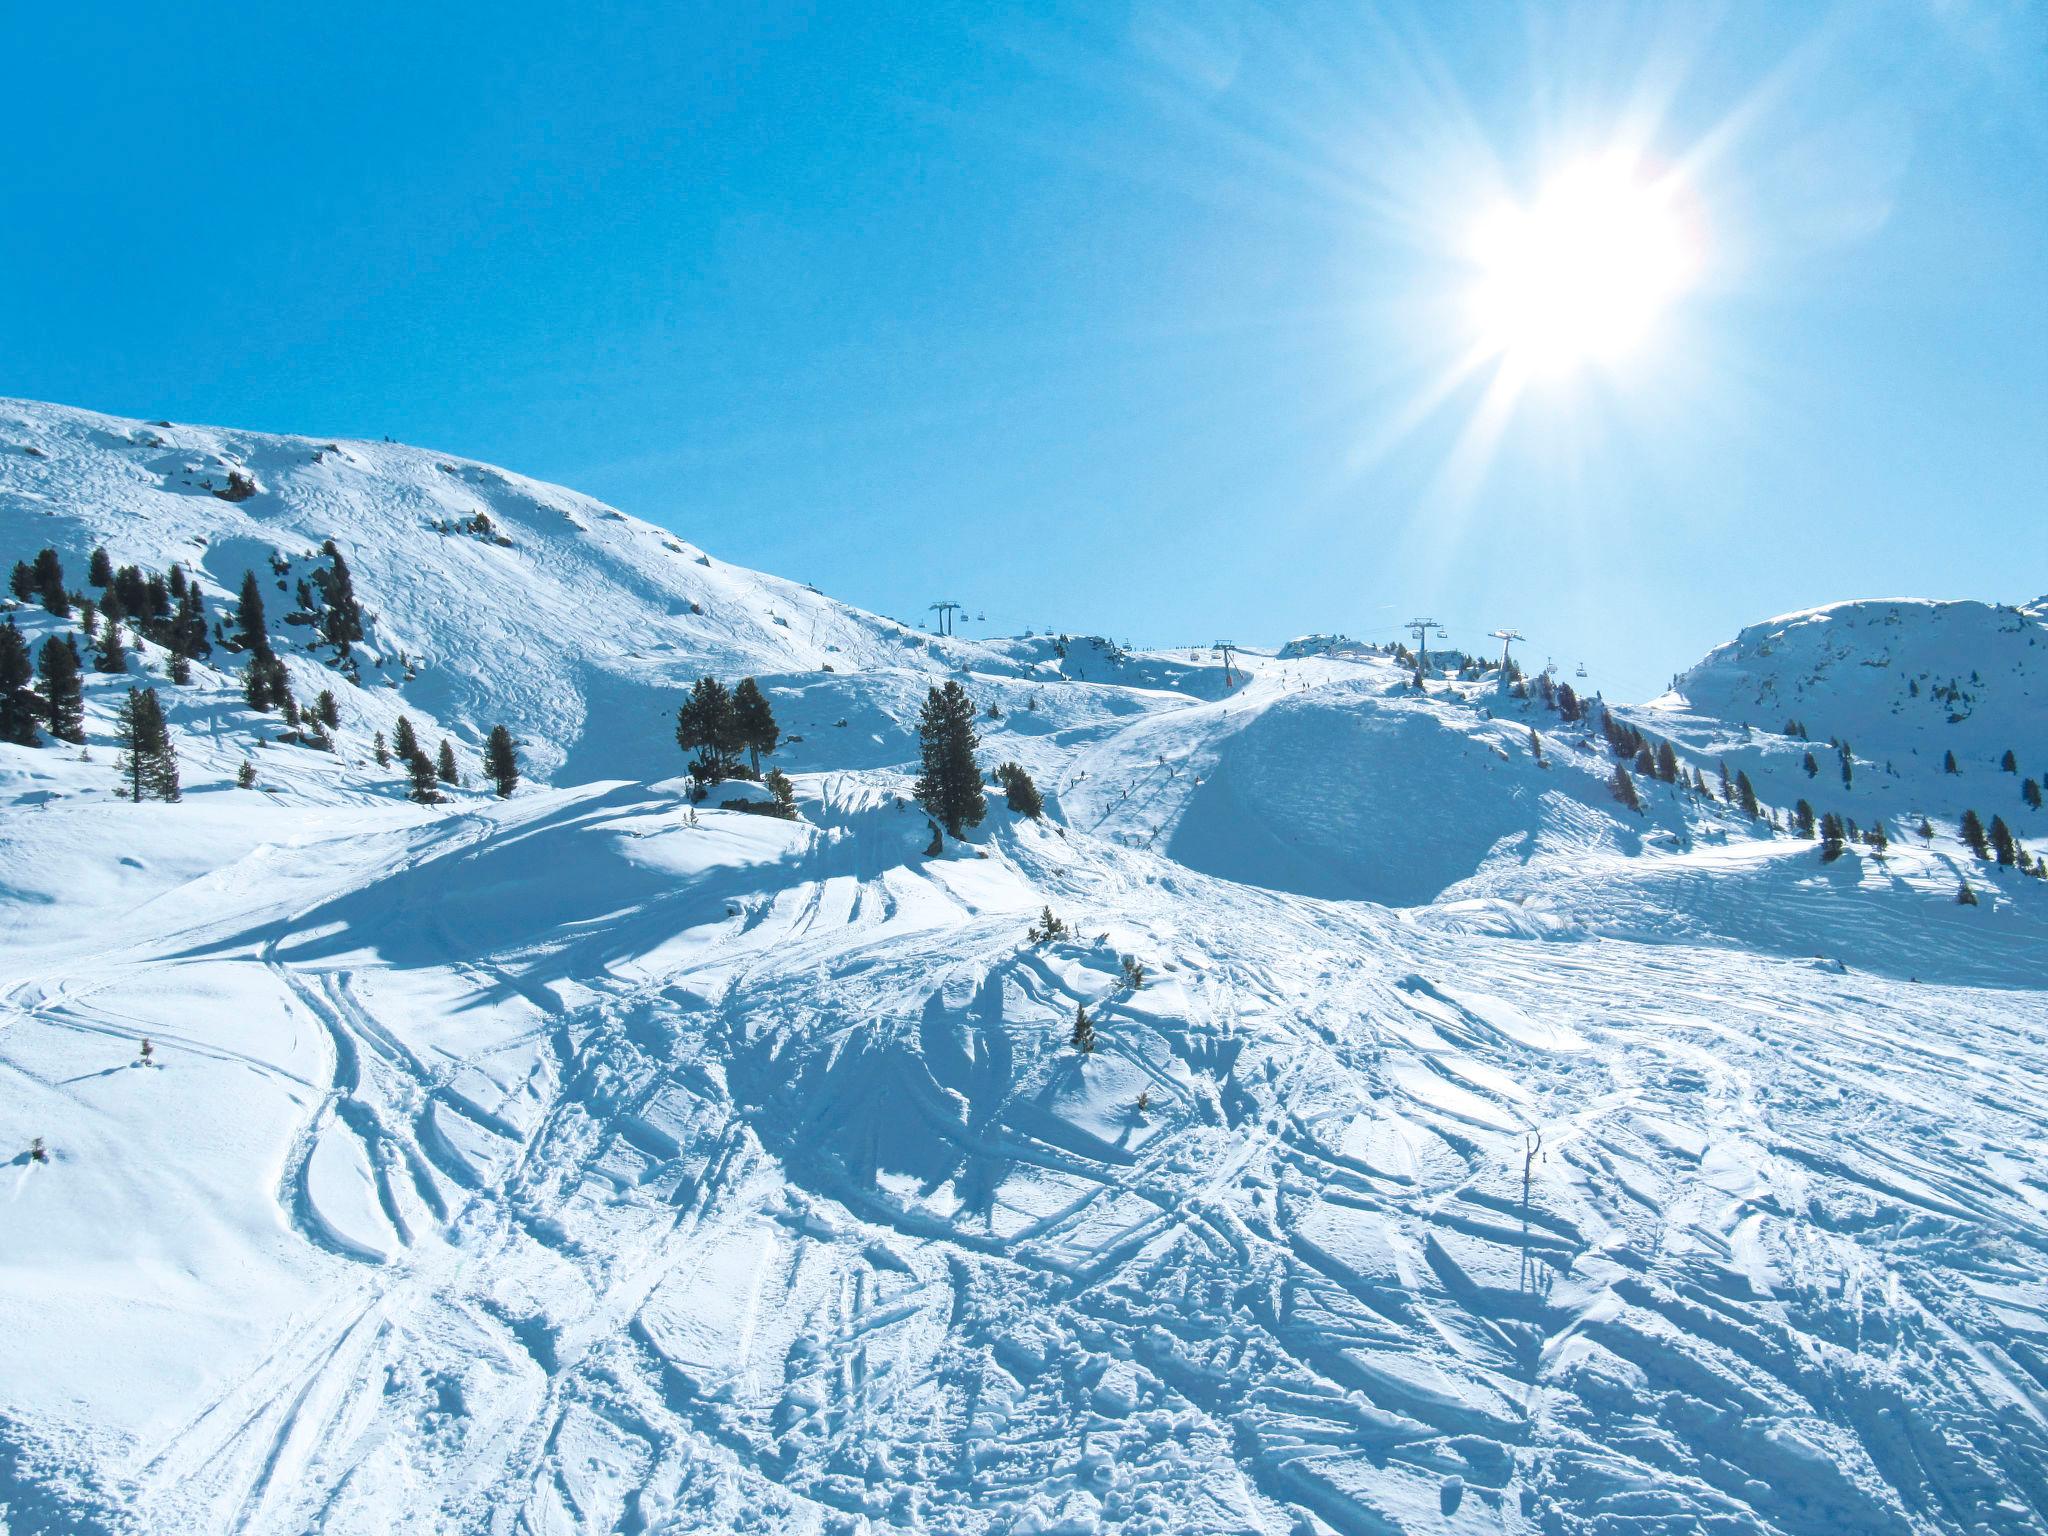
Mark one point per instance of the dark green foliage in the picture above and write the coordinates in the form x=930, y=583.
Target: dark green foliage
x=1019, y=792
x=1965, y=897
x=253, y=633
x=112, y=656
x=379, y=751
x=2009, y=763
x=1948, y=762
x=101, y=571
x=1134, y=973
x=1973, y=835
x=950, y=785
x=2030, y=791
x=148, y=763
x=403, y=741
x=18, y=705
x=187, y=629
x=245, y=776
x=341, y=619
x=1926, y=830
x=1847, y=776
x=425, y=785
x=1083, y=1035
x=267, y=686
x=705, y=726
x=1745, y=795
x=181, y=669
x=784, y=792
x=1727, y=788
x=23, y=583
x=1047, y=929
x=1877, y=838
x=326, y=710
x=1667, y=763
x=2002, y=843
x=753, y=722
x=58, y=666
x=1624, y=788
x=1802, y=819
x=1646, y=763
x=1809, y=765
x=1568, y=706
x=1831, y=838
x=444, y=764
x=49, y=574
x=501, y=761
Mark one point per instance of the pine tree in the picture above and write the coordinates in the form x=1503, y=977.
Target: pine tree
x=326, y=710
x=2009, y=763
x=49, y=572
x=181, y=670
x=501, y=761
x=1083, y=1036
x=1020, y=794
x=704, y=725
x=112, y=656
x=1973, y=835
x=1727, y=788
x=2002, y=843
x=444, y=764
x=254, y=633
x=1831, y=838
x=1535, y=746
x=1926, y=830
x=403, y=741
x=1809, y=765
x=18, y=708
x=1965, y=897
x=147, y=761
x=1745, y=795
x=245, y=776
x=341, y=620
x=1624, y=788
x=1847, y=776
x=101, y=571
x=1667, y=763
x=1877, y=838
x=784, y=792
x=425, y=784
x=58, y=667
x=950, y=785
x=1646, y=763
x=380, y=751
x=23, y=582
x=188, y=628
x=1046, y=929
x=753, y=722
x=2030, y=791
x=1802, y=819
x=1948, y=762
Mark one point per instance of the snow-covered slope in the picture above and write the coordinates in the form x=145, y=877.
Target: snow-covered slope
x=1477, y=1155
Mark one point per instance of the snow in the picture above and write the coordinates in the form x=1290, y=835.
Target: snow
x=588, y=1161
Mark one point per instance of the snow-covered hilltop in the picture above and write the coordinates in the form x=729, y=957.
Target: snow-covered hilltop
x=1461, y=1149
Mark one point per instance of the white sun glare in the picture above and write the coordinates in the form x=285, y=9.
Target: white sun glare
x=1582, y=273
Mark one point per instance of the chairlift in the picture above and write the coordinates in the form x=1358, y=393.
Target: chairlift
x=1582, y=669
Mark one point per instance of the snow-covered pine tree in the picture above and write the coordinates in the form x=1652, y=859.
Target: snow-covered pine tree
x=950, y=785
x=58, y=667
x=501, y=761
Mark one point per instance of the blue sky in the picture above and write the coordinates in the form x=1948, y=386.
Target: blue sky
x=1139, y=319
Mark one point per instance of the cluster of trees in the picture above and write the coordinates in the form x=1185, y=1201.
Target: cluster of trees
x=51, y=696
x=717, y=724
x=1836, y=833
x=2000, y=844
x=169, y=612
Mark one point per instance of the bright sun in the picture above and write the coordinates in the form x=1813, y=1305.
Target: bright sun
x=1582, y=273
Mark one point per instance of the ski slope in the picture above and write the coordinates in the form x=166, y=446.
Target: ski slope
x=587, y=1162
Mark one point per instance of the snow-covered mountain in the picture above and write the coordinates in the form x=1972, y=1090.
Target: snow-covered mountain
x=1476, y=1154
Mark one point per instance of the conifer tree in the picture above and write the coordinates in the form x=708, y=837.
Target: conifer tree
x=326, y=710
x=784, y=792
x=1847, y=776
x=2009, y=763
x=1727, y=788
x=380, y=751
x=1624, y=788
x=1948, y=762
x=950, y=785
x=1965, y=897
x=753, y=722
x=188, y=628
x=57, y=665
x=148, y=763
x=1020, y=794
x=1877, y=838
x=1973, y=835
x=1535, y=745
x=254, y=633
x=444, y=764
x=704, y=725
x=425, y=784
x=1802, y=819
x=112, y=656
x=1667, y=763
x=18, y=710
x=1831, y=838
x=49, y=571
x=1083, y=1035
x=341, y=620
x=23, y=582
x=1926, y=830
x=245, y=776
x=403, y=741
x=1745, y=795
x=101, y=571
x=501, y=761
x=1809, y=765
x=2002, y=843
x=181, y=670
x=2030, y=791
